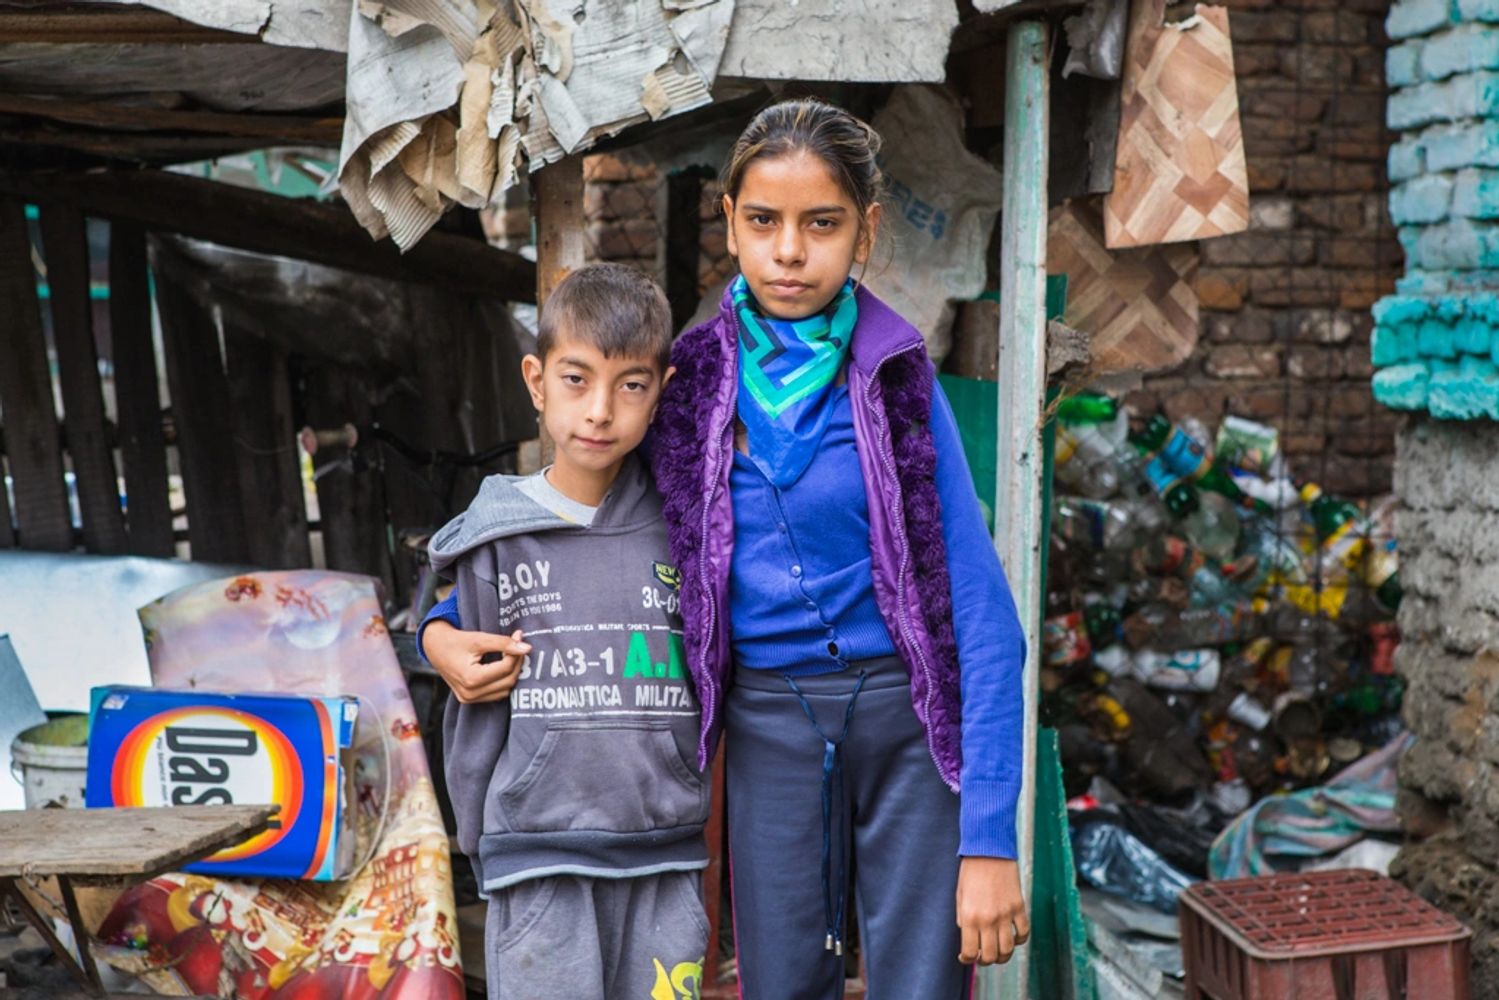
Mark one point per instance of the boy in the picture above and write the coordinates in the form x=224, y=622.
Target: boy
x=571, y=762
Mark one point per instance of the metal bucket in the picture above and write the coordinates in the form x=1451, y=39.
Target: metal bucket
x=51, y=761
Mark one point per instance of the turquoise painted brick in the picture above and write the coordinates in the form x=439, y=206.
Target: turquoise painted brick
x=1464, y=49
x=1409, y=18
x=1452, y=147
x=1406, y=341
x=1494, y=347
x=1471, y=336
x=1402, y=387
x=1407, y=159
x=1459, y=244
x=1418, y=282
x=1475, y=194
x=1402, y=64
x=1384, y=349
x=1477, y=368
x=1395, y=309
x=1435, y=340
x=1422, y=200
x=1478, y=10
x=1460, y=396
x=1471, y=95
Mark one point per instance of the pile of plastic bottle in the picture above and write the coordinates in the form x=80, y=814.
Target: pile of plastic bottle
x=1213, y=627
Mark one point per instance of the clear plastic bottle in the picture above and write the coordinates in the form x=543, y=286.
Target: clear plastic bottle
x=1168, y=629
x=1213, y=527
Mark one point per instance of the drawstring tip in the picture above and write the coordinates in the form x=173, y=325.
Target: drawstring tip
x=838, y=947
x=828, y=944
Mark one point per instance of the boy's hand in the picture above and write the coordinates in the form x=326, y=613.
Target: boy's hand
x=478, y=666
x=991, y=910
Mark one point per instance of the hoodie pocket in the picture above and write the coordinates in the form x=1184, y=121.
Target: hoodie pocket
x=613, y=777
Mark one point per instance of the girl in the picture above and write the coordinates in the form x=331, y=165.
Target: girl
x=848, y=625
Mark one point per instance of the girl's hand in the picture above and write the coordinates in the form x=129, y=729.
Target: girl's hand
x=478, y=666
x=991, y=910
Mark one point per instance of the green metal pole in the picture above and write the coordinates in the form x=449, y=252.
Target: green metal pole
x=1022, y=392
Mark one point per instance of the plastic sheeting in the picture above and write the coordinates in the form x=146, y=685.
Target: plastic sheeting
x=389, y=932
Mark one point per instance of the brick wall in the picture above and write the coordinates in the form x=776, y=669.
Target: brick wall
x=1447, y=481
x=1285, y=306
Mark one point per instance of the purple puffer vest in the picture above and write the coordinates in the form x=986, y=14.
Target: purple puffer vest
x=890, y=383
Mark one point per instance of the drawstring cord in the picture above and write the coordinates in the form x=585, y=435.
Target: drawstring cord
x=832, y=786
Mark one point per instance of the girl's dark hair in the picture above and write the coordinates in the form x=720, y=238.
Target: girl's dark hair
x=848, y=146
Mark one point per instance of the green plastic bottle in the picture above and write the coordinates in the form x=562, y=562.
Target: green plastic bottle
x=1087, y=408
x=1328, y=513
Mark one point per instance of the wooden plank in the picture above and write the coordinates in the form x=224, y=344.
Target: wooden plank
x=105, y=115
x=200, y=413
x=682, y=195
x=265, y=446
x=33, y=448
x=88, y=24
x=7, y=532
x=560, y=247
x=299, y=228
x=143, y=450
x=93, y=845
x=65, y=250
x=559, y=222
x=1022, y=390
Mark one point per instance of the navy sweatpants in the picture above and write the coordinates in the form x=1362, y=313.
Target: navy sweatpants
x=899, y=821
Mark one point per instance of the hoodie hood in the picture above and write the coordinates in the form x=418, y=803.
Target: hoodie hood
x=501, y=509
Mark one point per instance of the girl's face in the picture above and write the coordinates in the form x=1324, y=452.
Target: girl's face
x=796, y=233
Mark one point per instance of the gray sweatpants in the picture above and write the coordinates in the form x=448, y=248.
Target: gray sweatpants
x=892, y=815
x=597, y=939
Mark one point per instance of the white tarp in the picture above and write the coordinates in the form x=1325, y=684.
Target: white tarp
x=940, y=205
x=872, y=41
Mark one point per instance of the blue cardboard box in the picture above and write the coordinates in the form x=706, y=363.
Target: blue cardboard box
x=150, y=747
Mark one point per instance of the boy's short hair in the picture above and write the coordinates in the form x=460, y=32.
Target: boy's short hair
x=612, y=307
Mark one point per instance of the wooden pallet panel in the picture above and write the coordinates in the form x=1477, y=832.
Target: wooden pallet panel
x=29, y=415
x=143, y=450
x=1138, y=306
x=65, y=249
x=1179, y=171
x=265, y=446
x=200, y=412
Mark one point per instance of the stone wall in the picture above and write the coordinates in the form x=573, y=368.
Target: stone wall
x=1285, y=306
x=1447, y=480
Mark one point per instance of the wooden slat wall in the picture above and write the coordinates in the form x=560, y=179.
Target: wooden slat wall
x=31, y=434
x=264, y=435
x=65, y=251
x=200, y=411
x=143, y=449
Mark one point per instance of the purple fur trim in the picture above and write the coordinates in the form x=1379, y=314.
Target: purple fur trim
x=680, y=442
x=907, y=383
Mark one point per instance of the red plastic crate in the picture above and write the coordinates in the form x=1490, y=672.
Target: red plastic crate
x=1339, y=935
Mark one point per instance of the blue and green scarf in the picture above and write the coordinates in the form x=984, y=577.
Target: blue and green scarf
x=787, y=369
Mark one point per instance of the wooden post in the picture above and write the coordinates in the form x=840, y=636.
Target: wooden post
x=558, y=209
x=1022, y=391
x=143, y=450
x=65, y=248
x=559, y=223
x=32, y=444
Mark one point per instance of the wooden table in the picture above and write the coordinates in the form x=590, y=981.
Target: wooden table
x=110, y=847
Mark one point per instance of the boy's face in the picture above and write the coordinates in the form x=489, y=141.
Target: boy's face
x=596, y=409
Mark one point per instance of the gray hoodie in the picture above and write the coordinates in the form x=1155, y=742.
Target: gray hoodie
x=588, y=768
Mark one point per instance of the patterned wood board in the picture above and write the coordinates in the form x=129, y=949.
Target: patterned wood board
x=1180, y=172
x=1139, y=306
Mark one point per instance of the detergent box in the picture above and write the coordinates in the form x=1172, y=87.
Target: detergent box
x=150, y=747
